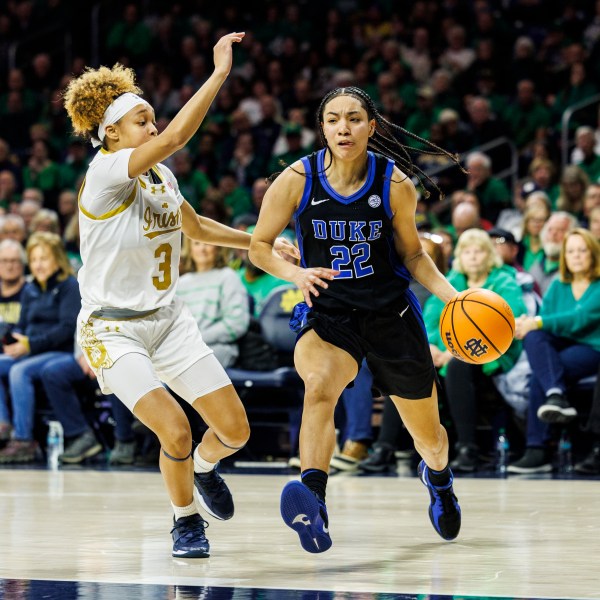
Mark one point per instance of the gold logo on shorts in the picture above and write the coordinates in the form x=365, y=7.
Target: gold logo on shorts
x=94, y=349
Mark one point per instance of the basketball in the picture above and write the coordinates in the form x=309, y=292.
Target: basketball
x=477, y=326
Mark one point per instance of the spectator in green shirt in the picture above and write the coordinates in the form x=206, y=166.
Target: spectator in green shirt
x=493, y=194
x=526, y=116
x=193, y=183
x=589, y=160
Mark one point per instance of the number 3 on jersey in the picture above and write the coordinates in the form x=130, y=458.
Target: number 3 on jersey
x=355, y=257
x=163, y=254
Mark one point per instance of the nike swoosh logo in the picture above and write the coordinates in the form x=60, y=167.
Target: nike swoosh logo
x=402, y=313
x=315, y=202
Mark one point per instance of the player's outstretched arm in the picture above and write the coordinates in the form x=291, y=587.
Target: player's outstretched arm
x=212, y=232
x=188, y=119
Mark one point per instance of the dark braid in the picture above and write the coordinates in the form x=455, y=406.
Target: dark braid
x=383, y=139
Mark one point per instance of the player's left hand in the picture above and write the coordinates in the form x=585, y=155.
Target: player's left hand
x=283, y=248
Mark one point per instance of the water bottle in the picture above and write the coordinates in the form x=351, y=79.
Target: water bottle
x=565, y=453
x=55, y=443
x=502, y=448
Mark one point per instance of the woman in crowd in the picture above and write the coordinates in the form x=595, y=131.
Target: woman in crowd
x=562, y=344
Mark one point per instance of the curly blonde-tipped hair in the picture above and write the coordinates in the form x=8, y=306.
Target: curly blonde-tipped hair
x=87, y=97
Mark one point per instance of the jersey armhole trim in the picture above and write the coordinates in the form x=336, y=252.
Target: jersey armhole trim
x=111, y=213
x=307, y=185
x=387, y=180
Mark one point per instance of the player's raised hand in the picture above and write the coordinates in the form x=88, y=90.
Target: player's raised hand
x=222, y=52
x=308, y=280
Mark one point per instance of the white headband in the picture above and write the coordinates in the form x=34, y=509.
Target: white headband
x=118, y=108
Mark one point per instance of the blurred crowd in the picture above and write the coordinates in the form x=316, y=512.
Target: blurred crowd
x=459, y=73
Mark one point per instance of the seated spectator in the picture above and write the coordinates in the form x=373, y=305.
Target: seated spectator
x=590, y=201
x=531, y=248
x=45, y=331
x=492, y=192
x=470, y=388
x=589, y=160
x=46, y=220
x=552, y=235
x=508, y=249
x=257, y=283
x=67, y=208
x=562, y=344
x=295, y=151
x=215, y=296
x=465, y=216
x=27, y=211
x=527, y=117
x=12, y=280
x=9, y=193
x=42, y=172
x=541, y=177
x=572, y=187
x=59, y=376
x=12, y=227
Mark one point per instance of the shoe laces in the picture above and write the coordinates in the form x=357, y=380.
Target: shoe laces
x=212, y=483
x=190, y=528
x=447, y=499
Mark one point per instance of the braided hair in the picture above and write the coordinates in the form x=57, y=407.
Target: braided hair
x=384, y=139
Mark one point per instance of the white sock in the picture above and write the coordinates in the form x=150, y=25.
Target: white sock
x=554, y=390
x=184, y=511
x=201, y=465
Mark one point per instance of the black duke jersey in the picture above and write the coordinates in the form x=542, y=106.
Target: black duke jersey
x=352, y=234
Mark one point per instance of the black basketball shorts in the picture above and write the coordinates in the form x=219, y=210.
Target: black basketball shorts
x=393, y=340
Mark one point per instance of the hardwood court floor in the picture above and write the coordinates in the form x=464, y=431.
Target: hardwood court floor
x=525, y=538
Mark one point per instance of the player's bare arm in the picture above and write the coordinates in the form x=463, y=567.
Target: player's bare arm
x=188, y=119
x=281, y=200
x=212, y=232
x=403, y=202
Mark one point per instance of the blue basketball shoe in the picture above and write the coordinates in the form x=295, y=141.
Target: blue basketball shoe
x=189, y=539
x=444, y=511
x=306, y=515
x=212, y=493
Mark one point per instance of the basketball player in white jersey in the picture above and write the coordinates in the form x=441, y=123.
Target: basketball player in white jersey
x=134, y=331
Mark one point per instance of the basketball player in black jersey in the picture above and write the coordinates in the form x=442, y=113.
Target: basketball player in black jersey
x=355, y=223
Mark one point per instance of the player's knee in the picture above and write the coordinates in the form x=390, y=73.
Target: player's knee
x=236, y=437
x=317, y=387
x=433, y=440
x=177, y=443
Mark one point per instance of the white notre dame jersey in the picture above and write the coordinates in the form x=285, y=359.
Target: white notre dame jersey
x=130, y=235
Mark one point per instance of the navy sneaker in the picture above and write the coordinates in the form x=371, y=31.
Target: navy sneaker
x=214, y=496
x=444, y=511
x=189, y=539
x=306, y=515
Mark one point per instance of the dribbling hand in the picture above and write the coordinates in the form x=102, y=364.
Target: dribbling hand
x=308, y=280
x=222, y=52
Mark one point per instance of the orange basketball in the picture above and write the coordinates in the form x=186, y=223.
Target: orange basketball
x=477, y=326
